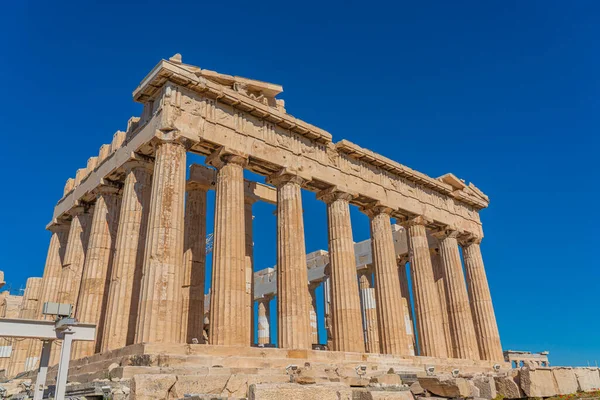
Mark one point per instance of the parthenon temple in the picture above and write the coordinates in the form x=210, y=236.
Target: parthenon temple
x=128, y=239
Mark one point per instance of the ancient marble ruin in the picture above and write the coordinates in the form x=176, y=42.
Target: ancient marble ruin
x=127, y=246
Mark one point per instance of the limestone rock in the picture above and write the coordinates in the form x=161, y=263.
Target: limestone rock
x=293, y=391
x=446, y=386
x=588, y=379
x=508, y=387
x=475, y=393
x=387, y=379
x=486, y=386
x=416, y=389
x=538, y=382
x=152, y=387
x=383, y=395
x=566, y=381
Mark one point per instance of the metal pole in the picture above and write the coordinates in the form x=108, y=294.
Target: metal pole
x=63, y=365
x=38, y=393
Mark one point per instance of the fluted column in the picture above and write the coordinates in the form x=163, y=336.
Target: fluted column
x=91, y=304
x=369, y=308
x=390, y=311
x=486, y=328
x=28, y=310
x=194, y=261
x=429, y=318
x=464, y=344
x=229, y=320
x=406, y=304
x=126, y=276
x=345, y=300
x=314, y=323
x=264, y=329
x=159, y=314
x=293, y=311
x=327, y=305
x=440, y=284
x=249, y=262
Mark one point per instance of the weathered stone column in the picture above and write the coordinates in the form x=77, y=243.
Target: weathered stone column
x=126, y=276
x=91, y=305
x=28, y=311
x=77, y=244
x=464, y=344
x=486, y=328
x=406, y=304
x=249, y=261
x=390, y=311
x=327, y=305
x=229, y=320
x=440, y=284
x=432, y=342
x=194, y=261
x=293, y=313
x=345, y=300
x=264, y=329
x=159, y=316
x=314, y=323
x=369, y=307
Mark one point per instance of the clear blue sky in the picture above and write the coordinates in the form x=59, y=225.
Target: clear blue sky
x=504, y=94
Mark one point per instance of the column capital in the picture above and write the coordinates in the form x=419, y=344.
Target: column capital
x=107, y=187
x=417, y=220
x=447, y=232
x=468, y=239
x=375, y=208
x=285, y=175
x=137, y=162
x=332, y=194
x=172, y=136
x=191, y=186
x=57, y=227
x=402, y=259
x=222, y=156
x=80, y=208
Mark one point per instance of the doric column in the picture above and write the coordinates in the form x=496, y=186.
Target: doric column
x=486, y=328
x=429, y=318
x=293, y=310
x=249, y=262
x=159, y=316
x=314, y=323
x=347, y=332
x=369, y=308
x=77, y=244
x=406, y=304
x=327, y=305
x=91, y=304
x=28, y=310
x=464, y=344
x=194, y=261
x=440, y=284
x=264, y=329
x=390, y=311
x=229, y=320
x=126, y=276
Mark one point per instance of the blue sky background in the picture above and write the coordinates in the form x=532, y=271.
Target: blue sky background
x=502, y=93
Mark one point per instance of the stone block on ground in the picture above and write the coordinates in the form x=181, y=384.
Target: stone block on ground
x=538, y=382
x=446, y=386
x=417, y=389
x=486, y=386
x=294, y=391
x=387, y=379
x=588, y=379
x=566, y=381
x=508, y=386
x=382, y=395
x=152, y=387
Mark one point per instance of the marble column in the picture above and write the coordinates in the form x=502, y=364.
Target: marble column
x=28, y=310
x=347, y=332
x=293, y=311
x=390, y=310
x=91, y=304
x=406, y=304
x=432, y=342
x=314, y=323
x=440, y=284
x=464, y=343
x=369, y=308
x=194, y=261
x=264, y=329
x=327, y=305
x=126, y=276
x=486, y=328
x=229, y=320
x=249, y=261
x=159, y=315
